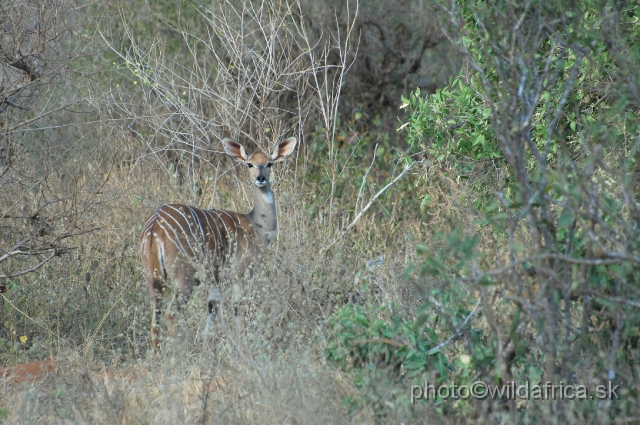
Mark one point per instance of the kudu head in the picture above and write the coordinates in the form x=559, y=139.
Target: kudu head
x=259, y=164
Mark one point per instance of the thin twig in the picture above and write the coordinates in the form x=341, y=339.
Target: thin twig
x=29, y=270
x=382, y=340
x=458, y=332
x=26, y=315
x=104, y=318
x=364, y=179
x=364, y=210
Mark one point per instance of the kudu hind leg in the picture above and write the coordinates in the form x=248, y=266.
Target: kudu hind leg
x=155, y=289
x=184, y=278
x=212, y=307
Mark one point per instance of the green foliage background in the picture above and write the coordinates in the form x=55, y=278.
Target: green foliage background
x=508, y=252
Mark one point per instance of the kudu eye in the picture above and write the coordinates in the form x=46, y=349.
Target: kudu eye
x=249, y=164
x=270, y=164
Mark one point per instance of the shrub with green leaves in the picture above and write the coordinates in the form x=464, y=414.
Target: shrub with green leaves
x=387, y=350
x=537, y=141
x=452, y=124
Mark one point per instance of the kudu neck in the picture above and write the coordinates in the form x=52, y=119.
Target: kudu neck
x=264, y=211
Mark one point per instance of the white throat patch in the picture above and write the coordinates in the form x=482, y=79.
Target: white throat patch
x=268, y=197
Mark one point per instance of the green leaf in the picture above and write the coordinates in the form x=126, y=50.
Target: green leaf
x=606, y=302
x=486, y=281
x=421, y=320
x=480, y=140
x=620, y=105
x=425, y=202
x=565, y=219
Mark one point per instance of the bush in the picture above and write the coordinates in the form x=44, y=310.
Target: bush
x=539, y=134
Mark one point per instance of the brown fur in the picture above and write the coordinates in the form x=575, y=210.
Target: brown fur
x=188, y=245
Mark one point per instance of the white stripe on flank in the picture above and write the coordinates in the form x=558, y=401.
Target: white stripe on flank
x=198, y=224
x=232, y=240
x=212, y=232
x=182, y=230
x=177, y=231
x=175, y=241
x=161, y=255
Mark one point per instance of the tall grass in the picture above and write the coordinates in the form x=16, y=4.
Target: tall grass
x=89, y=309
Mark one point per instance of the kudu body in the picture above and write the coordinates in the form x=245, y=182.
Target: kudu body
x=188, y=245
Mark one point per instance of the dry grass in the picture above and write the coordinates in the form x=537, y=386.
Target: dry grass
x=200, y=388
x=90, y=314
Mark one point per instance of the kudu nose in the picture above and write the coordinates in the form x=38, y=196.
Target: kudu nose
x=261, y=179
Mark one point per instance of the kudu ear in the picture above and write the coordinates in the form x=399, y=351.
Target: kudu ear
x=235, y=150
x=284, y=149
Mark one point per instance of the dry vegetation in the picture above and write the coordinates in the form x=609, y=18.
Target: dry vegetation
x=150, y=136
x=118, y=108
